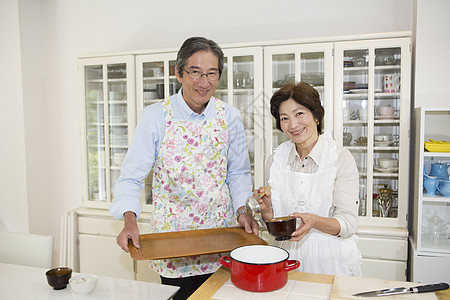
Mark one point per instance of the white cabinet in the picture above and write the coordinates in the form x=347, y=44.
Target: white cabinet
x=429, y=237
x=364, y=86
x=99, y=252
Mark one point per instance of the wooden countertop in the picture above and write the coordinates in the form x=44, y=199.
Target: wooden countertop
x=216, y=281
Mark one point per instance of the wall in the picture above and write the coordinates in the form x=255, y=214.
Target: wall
x=13, y=177
x=84, y=26
x=431, y=50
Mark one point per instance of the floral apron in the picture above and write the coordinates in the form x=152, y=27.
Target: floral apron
x=189, y=189
x=312, y=193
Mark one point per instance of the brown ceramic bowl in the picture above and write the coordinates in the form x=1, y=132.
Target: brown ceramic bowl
x=281, y=228
x=58, y=278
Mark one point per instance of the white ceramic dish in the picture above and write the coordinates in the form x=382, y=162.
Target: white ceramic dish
x=387, y=163
x=83, y=283
x=363, y=91
x=387, y=117
x=383, y=144
x=386, y=170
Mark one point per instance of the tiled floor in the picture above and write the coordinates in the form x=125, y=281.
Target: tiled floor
x=292, y=290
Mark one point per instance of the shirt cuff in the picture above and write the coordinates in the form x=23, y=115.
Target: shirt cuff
x=117, y=209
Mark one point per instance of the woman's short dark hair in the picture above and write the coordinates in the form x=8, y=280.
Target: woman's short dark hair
x=193, y=45
x=303, y=94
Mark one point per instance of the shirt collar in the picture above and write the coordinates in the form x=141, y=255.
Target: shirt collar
x=315, y=153
x=187, y=113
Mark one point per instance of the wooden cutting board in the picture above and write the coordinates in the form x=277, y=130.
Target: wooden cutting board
x=192, y=242
x=345, y=286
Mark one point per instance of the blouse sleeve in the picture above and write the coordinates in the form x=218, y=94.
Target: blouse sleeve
x=346, y=194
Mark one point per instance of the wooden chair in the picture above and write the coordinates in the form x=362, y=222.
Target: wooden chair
x=26, y=249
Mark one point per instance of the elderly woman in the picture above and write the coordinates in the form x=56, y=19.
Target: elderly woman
x=315, y=180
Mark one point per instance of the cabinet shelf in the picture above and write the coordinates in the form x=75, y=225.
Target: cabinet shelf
x=438, y=199
x=120, y=80
x=365, y=69
x=436, y=154
x=153, y=78
x=118, y=102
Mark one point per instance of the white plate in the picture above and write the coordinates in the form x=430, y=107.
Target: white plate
x=386, y=170
x=384, y=144
x=363, y=91
x=387, y=117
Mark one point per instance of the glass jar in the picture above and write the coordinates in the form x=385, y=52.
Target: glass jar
x=384, y=57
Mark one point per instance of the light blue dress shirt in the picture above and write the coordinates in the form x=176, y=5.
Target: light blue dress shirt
x=147, y=140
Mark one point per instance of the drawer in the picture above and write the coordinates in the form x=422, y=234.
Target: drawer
x=383, y=248
x=384, y=269
x=106, y=227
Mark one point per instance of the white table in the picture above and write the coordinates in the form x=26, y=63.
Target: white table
x=22, y=282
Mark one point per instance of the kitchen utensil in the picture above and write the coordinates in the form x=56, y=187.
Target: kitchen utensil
x=404, y=290
x=58, y=278
x=383, y=137
x=346, y=137
x=359, y=61
x=384, y=200
x=362, y=114
x=391, y=83
x=384, y=57
x=443, y=187
x=252, y=205
x=281, y=228
x=192, y=242
x=437, y=146
x=387, y=162
x=436, y=225
x=259, y=268
x=440, y=170
x=386, y=110
x=83, y=283
x=430, y=184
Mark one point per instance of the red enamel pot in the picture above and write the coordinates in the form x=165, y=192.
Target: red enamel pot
x=259, y=268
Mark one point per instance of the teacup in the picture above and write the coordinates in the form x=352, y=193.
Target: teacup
x=386, y=110
x=443, y=187
x=387, y=163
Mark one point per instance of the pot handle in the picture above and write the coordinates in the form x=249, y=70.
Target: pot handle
x=291, y=265
x=225, y=261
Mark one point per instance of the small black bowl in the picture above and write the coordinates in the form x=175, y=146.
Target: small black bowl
x=58, y=278
x=281, y=228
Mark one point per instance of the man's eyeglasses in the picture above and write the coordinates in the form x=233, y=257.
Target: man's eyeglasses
x=196, y=74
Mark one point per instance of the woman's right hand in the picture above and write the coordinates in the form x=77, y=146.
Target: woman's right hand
x=265, y=202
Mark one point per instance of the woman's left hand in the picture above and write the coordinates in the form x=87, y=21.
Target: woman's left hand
x=308, y=222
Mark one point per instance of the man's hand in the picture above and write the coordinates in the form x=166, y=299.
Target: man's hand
x=130, y=231
x=249, y=224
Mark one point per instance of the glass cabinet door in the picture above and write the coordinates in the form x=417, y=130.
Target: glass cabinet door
x=156, y=78
x=107, y=100
x=372, y=121
x=156, y=81
x=241, y=86
x=311, y=64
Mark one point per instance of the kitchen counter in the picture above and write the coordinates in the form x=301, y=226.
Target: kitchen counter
x=23, y=282
x=336, y=287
